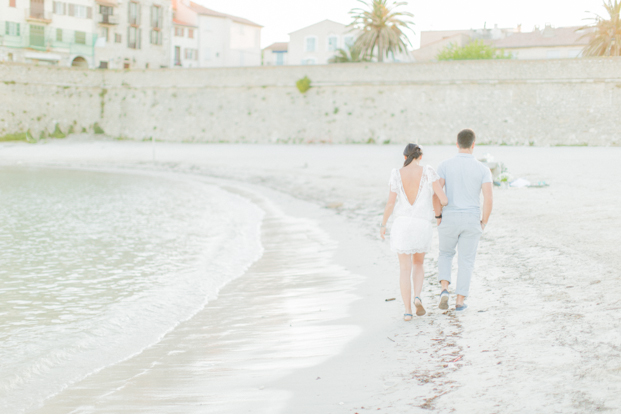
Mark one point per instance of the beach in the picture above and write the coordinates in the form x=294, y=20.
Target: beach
x=307, y=328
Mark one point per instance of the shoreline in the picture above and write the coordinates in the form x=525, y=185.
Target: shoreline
x=541, y=330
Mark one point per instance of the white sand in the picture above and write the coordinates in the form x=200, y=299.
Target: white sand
x=542, y=333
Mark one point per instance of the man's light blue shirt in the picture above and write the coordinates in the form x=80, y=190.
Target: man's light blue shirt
x=463, y=175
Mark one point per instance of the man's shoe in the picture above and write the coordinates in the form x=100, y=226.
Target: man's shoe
x=444, y=298
x=461, y=307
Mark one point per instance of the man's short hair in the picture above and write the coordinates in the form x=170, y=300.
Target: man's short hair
x=465, y=138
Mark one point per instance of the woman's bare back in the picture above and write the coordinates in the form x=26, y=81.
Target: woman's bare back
x=410, y=177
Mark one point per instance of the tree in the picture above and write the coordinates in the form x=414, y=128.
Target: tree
x=605, y=35
x=473, y=50
x=380, y=28
x=351, y=54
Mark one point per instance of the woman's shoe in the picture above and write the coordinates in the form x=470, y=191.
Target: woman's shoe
x=420, y=311
x=407, y=317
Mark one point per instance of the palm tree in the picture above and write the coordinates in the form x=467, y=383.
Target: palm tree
x=352, y=54
x=605, y=34
x=380, y=28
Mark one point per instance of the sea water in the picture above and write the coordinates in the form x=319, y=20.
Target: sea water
x=96, y=267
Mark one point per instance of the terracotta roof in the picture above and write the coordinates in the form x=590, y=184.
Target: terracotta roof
x=549, y=36
x=180, y=23
x=278, y=47
x=208, y=12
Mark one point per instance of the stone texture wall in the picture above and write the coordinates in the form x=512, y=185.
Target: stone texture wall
x=552, y=102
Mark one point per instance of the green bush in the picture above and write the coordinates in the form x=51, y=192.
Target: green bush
x=57, y=133
x=303, y=84
x=473, y=50
x=97, y=129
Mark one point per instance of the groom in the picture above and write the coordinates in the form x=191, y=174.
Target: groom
x=460, y=224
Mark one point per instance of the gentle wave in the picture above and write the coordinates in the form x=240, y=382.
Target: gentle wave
x=96, y=267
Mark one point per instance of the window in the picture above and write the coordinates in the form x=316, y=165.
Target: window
x=191, y=33
x=309, y=61
x=59, y=35
x=103, y=65
x=333, y=42
x=280, y=59
x=11, y=29
x=80, y=11
x=191, y=54
x=156, y=17
x=80, y=37
x=348, y=40
x=311, y=44
x=134, y=13
x=107, y=10
x=179, y=31
x=60, y=8
x=574, y=53
x=118, y=38
x=37, y=35
x=156, y=37
x=12, y=3
x=133, y=38
x=104, y=33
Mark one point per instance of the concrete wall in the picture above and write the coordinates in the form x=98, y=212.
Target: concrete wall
x=568, y=102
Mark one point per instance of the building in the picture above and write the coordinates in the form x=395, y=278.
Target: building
x=549, y=43
x=275, y=54
x=432, y=42
x=117, y=34
x=316, y=44
x=133, y=34
x=226, y=40
x=185, y=36
x=46, y=32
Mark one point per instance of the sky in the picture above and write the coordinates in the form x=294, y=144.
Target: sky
x=281, y=17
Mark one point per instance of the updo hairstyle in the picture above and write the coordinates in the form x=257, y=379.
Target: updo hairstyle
x=412, y=152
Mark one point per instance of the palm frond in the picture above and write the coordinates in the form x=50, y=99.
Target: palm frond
x=604, y=34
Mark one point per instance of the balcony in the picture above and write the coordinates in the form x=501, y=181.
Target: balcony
x=38, y=16
x=108, y=19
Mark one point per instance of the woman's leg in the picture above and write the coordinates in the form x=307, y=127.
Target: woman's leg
x=419, y=273
x=405, y=265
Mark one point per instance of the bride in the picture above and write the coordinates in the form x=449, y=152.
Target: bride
x=410, y=199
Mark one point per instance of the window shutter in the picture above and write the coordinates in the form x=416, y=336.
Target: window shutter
x=11, y=3
x=71, y=9
x=6, y=28
x=128, y=36
x=138, y=38
x=89, y=12
x=138, y=13
x=64, y=8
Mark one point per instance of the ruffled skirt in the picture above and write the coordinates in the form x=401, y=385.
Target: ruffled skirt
x=410, y=235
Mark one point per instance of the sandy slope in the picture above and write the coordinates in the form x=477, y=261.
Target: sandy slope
x=542, y=333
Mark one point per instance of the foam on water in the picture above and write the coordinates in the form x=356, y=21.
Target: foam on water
x=96, y=267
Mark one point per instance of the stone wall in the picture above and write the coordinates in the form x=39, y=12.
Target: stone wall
x=552, y=102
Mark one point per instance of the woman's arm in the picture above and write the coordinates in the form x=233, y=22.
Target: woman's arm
x=439, y=192
x=390, y=206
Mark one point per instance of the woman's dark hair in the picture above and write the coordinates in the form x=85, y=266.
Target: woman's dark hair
x=412, y=152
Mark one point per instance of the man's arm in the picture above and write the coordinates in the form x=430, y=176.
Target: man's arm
x=488, y=202
x=437, y=206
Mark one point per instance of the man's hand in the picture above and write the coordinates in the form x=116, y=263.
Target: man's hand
x=383, y=232
x=483, y=226
x=438, y=221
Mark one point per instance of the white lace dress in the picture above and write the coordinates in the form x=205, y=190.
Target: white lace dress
x=411, y=230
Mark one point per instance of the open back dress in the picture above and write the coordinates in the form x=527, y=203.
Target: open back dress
x=411, y=230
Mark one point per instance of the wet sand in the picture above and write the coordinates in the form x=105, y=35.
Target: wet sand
x=542, y=333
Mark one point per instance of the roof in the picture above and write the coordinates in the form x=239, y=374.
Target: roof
x=278, y=47
x=204, y=11
x=315, y=24
x=549, y=36
x=180, y=23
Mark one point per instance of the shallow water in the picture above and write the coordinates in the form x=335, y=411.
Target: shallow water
x=95, y=267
